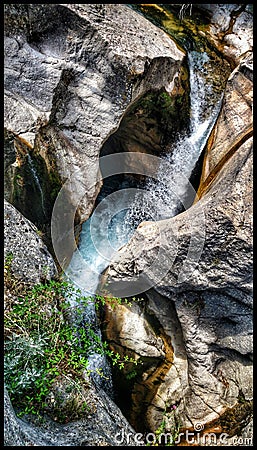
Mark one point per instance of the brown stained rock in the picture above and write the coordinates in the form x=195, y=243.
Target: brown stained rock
x=131, y=332
x=230, y=30
x=234, y=125
x=211, y=302
x=85, y=72
x=212, y=295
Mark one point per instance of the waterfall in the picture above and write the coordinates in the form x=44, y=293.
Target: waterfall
x=96, y=257
x=165, y=196
x=106, y=231
x=36, y=179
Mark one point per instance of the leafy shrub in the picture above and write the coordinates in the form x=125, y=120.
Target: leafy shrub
x=46, y=338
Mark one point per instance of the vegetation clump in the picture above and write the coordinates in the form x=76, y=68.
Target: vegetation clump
x=47, y=340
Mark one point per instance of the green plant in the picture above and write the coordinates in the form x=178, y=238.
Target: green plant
x=241, y=397
x=100, y=300
x=132, y=374
x=8, y=262
x=10, y=281
x=40, y=233
x=67, y=400
x=46, y=338
x=162, y=436
x=18, y=181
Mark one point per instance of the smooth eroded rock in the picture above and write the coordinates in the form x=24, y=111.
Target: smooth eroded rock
x=70, y=73
x=202, y=261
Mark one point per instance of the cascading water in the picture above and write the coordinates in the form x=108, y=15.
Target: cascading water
x=36, y=179
x=165, y=196
x=162, y=197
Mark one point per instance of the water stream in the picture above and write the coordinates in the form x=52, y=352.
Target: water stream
x=162, y=198
x=37, y=182
x=165, y=196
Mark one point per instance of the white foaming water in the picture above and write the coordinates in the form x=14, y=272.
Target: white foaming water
x=164, y=197
x=101, y=236
x=115, y=220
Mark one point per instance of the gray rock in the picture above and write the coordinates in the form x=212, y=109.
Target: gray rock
x=103, y=426
x=31, y=260
x=120, y=328
x=85, y=71
x=232, y=24
x=213, y=296
x=70, y=73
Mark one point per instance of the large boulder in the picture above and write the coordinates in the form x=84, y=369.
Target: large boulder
x=70, y=73
x=29, y=258
x=211, y=297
